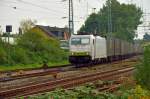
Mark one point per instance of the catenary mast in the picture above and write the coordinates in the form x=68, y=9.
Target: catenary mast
x=71, y=21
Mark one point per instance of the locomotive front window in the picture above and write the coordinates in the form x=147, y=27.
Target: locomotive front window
x=75, y=41
x=85, y=41
x=80, y=41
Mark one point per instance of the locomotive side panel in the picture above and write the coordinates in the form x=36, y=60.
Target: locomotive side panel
x=100, y=48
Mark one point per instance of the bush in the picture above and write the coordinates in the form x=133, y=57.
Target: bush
x=3, y=56
x=84, y=92
x=33, y=47
x=143, y=69
x=19, y=56
x=39, y=47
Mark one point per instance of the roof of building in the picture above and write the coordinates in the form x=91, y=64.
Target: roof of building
x=50, y=30
x=46, y=29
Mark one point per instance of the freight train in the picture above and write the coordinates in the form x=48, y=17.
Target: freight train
x=86, y=49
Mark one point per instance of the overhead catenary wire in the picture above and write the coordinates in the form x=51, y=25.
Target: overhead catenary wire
x=56, y=12
x=29, y=11
x=32, y=11
x=42, y=7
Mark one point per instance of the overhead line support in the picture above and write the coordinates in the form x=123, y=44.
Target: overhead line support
x=71, y=21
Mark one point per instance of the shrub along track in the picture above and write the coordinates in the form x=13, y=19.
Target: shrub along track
x=66, y=82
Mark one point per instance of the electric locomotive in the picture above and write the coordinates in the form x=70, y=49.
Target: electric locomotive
x=95, y=49
x=86, y=48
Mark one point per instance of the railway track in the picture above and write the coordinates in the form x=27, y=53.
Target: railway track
x=54, y=73
x=110, y=87
x=34, y=69
x=21, y=74
x=67, y=82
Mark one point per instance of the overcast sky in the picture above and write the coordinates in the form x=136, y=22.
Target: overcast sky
x=51, y=12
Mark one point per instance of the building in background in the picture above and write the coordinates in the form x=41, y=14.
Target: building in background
x=56, y=32
x=60, y=33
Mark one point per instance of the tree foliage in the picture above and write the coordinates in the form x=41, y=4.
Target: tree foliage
x=26, y=25
x=143, y=75
x=125, y=19
x=91, y=24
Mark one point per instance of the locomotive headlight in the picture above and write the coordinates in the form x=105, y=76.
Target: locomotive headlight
x=72, y=53
x=87, y=53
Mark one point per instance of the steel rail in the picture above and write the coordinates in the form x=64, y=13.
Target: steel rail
x=65, y=82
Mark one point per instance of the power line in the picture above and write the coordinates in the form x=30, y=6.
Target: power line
x=27, y=10
x=39, y=6
x=57, y=12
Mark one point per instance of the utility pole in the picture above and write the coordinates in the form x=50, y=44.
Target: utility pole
x=87, y=10
x=71, y=21
x=109, y=18
x=109, y=35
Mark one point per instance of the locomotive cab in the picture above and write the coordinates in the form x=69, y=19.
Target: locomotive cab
x=80, y=48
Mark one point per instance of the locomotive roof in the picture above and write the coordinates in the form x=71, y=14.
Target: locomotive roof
x=87, y=36
x=82, y=36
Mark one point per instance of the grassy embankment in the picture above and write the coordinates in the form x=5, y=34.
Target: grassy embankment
x=28, y=66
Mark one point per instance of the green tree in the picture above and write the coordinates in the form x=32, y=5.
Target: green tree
x=125, y=19
x=92, y=24
x=143, y=75
x=26, y=25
